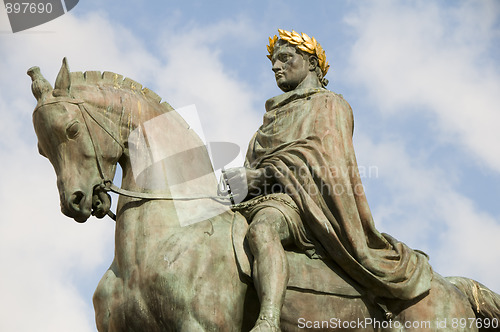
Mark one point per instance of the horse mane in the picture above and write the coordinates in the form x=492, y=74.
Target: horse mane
x=117, y=81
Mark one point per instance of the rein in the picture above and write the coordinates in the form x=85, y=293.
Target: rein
x=107, y=185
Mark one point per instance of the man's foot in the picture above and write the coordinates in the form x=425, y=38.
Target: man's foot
x=265, y=325
x=269, y=320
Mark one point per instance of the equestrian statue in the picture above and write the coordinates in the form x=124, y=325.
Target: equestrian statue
x=290, y=246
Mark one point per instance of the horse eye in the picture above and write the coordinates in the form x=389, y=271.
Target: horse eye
x=73, y=130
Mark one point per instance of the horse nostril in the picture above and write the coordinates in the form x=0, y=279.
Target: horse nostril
x=75, y=200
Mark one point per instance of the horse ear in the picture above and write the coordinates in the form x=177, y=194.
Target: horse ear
x=63, y=81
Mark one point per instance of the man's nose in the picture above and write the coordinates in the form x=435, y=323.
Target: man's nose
x=276, y=67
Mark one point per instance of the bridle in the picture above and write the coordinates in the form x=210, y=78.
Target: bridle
x=107, y=184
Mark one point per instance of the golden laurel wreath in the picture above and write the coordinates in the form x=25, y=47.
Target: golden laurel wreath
x=303, y=43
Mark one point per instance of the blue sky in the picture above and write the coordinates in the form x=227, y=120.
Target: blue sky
x=423, y=79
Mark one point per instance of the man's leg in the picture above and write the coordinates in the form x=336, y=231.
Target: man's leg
x=267, y=234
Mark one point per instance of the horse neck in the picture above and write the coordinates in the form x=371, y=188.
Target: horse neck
x=162, y=155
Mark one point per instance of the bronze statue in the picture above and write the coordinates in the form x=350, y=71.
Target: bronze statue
x=167, y=276
x=304, y=157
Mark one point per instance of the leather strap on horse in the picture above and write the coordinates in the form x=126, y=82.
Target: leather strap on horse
x=109, y=186
x=98, y=154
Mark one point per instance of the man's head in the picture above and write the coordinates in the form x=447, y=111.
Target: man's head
x=298, y=61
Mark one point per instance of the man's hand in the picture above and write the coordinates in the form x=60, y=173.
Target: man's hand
x=243, y=181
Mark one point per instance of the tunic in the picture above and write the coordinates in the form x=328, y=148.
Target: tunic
x=305, y=144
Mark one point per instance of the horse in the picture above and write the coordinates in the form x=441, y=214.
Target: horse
x=171, y=275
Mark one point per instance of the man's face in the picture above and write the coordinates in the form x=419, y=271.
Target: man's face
x=290, y=67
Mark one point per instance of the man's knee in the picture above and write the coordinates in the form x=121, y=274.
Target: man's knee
x=260, y=230
x=268, y=225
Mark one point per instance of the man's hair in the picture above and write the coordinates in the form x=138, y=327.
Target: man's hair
x=305, y=44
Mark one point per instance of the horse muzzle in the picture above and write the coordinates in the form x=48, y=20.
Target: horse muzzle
x=77, y=206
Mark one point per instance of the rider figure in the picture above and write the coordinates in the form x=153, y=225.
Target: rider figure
x=304, y=189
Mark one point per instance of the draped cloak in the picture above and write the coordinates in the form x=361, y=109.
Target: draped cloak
x=305, y=144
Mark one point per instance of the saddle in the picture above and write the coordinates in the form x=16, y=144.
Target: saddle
x=306, y=274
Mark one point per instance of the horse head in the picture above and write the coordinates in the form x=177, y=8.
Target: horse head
x=66, y=136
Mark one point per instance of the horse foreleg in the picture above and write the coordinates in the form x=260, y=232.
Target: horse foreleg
x=105, y=298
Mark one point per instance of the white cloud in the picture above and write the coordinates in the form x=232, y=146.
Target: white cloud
x=42, y=252
x=194, y=73
x=420, y=54
x=418, y=57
